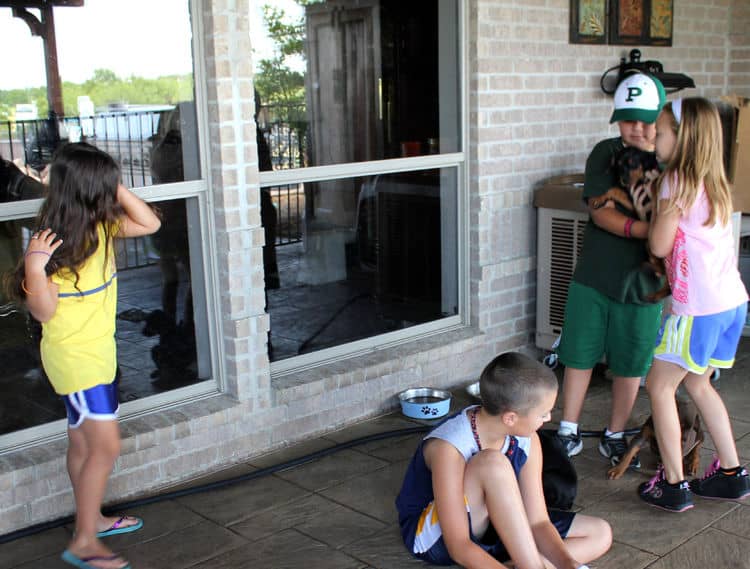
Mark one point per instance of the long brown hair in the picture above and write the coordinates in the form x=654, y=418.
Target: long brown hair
x=698, y=157
x=81, y=196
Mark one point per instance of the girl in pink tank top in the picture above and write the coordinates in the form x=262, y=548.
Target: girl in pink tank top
x=692, y=231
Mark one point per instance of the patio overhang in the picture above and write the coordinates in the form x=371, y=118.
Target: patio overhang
x=44, y=27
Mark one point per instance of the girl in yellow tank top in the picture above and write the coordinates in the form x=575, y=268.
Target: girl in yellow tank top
x=68, y=281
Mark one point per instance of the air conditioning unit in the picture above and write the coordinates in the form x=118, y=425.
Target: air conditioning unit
x=561, y=219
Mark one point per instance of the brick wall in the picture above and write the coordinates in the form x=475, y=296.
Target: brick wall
x=535, y=110
x=739, y=49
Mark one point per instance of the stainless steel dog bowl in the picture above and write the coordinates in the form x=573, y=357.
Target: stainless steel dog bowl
x=425, y=402
x=473, y=390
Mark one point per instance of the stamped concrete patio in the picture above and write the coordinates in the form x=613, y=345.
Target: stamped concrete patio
x=336, y=512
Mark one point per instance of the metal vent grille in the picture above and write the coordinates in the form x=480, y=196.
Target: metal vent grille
x=565, y=247
x=559, y=241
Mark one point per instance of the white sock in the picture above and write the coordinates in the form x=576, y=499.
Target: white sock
x=568, y=428
x=610, y=435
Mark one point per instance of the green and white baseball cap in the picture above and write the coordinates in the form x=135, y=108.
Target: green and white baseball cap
x=638, y=97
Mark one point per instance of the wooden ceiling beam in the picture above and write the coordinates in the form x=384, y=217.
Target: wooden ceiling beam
x=44, y=27
x=39, y=3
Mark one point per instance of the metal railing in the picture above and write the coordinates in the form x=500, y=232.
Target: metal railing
x=126, y=136
x=129, y=136
x=284, y=130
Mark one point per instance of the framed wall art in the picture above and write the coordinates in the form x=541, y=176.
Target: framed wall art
x=621, y=22
x=588, y=21
x=660, y=22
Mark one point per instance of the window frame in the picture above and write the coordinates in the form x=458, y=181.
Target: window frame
x=457, y=160
x=199, y=189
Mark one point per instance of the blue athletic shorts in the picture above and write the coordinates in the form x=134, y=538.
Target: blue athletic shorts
x=98, y=403
x=697, y=342
x=490, y=541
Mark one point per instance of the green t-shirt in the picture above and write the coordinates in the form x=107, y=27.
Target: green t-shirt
x=608, y=263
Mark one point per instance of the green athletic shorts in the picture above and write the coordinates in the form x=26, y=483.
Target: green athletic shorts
x=596, y=326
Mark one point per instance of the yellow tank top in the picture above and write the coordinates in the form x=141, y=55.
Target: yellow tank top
x=78, y=343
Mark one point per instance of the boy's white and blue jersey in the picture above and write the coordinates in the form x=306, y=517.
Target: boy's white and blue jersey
x=417, y=516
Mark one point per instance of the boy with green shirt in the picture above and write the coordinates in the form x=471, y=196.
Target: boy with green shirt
x=607, y=312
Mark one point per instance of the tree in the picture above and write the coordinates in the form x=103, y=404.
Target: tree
x=275, y=80
x=103, y=88
x=104, y=76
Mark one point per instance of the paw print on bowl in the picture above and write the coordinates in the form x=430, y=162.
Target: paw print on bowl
x=425, y=402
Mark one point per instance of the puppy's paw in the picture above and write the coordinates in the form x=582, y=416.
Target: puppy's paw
x=614, y=473
x=599, y=202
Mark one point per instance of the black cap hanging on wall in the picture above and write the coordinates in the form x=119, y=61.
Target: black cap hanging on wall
x=672, y=82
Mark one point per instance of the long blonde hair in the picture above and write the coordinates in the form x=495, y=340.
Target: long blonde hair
x=698, y=157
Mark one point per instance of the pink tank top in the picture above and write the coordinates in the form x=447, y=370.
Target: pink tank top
x=702, y=268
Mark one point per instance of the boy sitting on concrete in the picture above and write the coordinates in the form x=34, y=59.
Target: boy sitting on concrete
x=463, y=502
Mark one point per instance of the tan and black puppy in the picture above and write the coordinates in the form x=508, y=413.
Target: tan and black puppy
x=692, y=441
x=634, y=167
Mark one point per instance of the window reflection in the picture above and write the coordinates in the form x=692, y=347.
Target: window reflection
x=157, y=308
x=26, y=398
x=345, y=81
x=154, y=145
x=136, y=107
x=157, y=340
x=380, y=256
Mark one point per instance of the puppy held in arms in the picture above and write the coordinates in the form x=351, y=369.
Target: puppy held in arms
x=692, y=441
x=634, y=168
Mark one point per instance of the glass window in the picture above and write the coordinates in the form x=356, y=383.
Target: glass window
x=140, y=108
x=385, y=259
x=119, y=97
x=345, y=86
x=349, y=81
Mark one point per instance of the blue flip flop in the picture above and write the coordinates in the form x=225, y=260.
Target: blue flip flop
x=84, y=562
x=117, y=527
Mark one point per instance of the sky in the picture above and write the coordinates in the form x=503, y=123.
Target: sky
x=115, y=35
x=92, y=37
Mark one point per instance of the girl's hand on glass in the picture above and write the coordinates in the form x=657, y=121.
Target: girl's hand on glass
x=27, y=170
x=44, y=175
x=41, y=247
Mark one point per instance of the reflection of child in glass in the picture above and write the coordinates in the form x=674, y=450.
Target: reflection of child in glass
x=69, y=282
x=472, y=494
x=692, y=231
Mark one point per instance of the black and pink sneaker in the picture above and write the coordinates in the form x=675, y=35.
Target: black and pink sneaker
x=719, y=485
x=659, y=493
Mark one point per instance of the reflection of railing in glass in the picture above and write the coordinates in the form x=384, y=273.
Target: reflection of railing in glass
x=285, y=130
x=289, y=201
x=127, y=136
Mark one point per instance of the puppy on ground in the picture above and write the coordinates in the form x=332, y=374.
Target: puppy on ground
x=692, y=441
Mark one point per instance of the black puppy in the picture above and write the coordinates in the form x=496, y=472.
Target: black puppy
x=630, y=165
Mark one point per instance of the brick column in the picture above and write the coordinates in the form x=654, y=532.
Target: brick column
x=236, y=198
